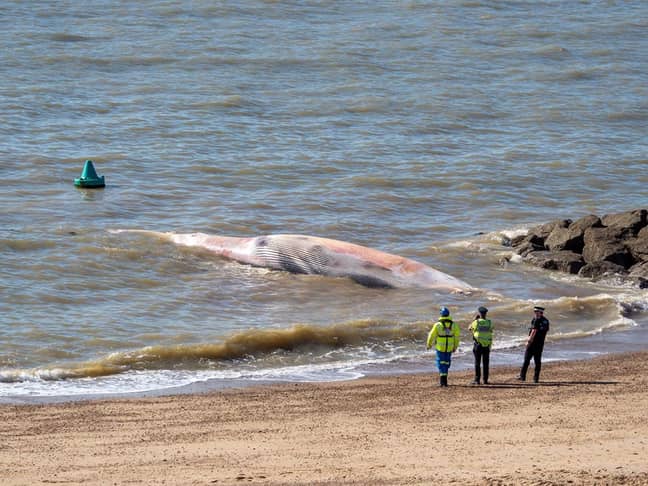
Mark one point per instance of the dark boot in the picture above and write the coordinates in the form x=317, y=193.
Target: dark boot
x=441, y=380
x=523, y=372
x=444, y=380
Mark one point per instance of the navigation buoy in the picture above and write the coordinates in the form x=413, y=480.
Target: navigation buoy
x=89, y=177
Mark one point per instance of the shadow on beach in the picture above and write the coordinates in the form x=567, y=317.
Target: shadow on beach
x=532, y=385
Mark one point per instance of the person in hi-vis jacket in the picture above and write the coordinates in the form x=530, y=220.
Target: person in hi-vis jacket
x=444, y=336
x=482, y=332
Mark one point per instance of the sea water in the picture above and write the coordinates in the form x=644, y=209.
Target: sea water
x=432, y=130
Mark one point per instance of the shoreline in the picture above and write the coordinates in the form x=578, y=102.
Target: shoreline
x=633, y=339
x=584, y=423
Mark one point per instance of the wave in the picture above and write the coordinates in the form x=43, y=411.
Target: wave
x=348, y=342
x=246, y=346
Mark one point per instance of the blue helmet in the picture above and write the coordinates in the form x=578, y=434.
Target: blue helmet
x=444, y=312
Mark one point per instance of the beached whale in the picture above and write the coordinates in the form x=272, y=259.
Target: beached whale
x=319, y=256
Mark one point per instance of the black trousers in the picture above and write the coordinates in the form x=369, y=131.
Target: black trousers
x=482, y=354
x=534, y=352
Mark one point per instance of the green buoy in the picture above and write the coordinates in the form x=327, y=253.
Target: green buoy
x=89, y=177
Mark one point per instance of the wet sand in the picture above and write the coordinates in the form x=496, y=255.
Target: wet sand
x=585, y=423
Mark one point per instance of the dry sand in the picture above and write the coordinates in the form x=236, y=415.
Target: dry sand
x=584, y=424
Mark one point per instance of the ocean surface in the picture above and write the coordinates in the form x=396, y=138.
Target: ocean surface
x=434, y=130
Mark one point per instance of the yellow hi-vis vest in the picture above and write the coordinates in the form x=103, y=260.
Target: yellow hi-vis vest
x=482, y=330
x=444, y=335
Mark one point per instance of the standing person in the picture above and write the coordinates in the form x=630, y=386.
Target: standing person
x=444, y=335
x=482, y=332
x=535, y=344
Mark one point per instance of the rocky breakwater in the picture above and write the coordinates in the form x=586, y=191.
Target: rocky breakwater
x=592, y=247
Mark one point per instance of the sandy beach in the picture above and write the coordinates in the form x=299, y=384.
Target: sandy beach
x=585, y=423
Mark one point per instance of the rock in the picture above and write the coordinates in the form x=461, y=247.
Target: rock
x=518, y=240
x=571, y=237
x=565, y=261
x=544, y=230
x=639, y=274
x=591, y=221
x=605, y=244
x=630, y=222
x=616, y=244
x=529, y=244
x=601, y=269
x=565, y=239
x=639, y=246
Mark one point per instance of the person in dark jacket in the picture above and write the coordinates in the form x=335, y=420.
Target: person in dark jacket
x=535, y=344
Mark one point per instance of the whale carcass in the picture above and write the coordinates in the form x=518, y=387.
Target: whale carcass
x=319, y=256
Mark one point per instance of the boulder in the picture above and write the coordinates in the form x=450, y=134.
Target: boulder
x=565, y=261
x=629, y=222
x=518, y=240
x=605, y=244
x=528, y=244
x=591, y=221
x=544, y=230
x=571, y=236
x=639, y=274
x=593, y=247
x=601, y=269
x=639, y=246
x=570, y=239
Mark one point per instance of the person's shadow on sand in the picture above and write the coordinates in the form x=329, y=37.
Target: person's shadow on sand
x=542, y=383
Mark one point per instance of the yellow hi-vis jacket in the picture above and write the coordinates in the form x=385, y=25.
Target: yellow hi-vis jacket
x=444, y=335
x=482, y=330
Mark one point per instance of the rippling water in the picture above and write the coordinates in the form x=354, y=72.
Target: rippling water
x=426, y=129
